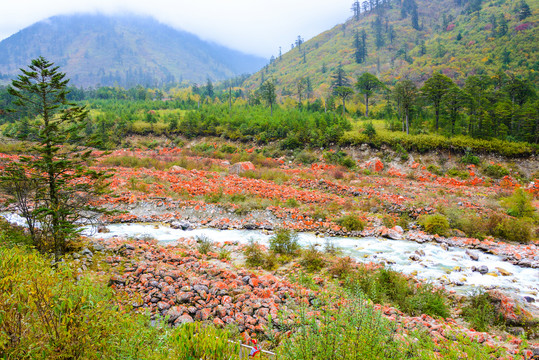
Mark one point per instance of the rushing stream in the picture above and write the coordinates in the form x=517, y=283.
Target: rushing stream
x=451, y=267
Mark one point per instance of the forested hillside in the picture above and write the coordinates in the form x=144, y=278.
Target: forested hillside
x=413, y=39
x=122, y=51
x=443, y=66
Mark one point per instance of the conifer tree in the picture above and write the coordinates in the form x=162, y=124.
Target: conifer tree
x=267, y=92
x=53, y=187
x=367, y=84
x=434, y=89
x=523, y=10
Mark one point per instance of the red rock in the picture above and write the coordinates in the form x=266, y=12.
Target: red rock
x=183, y=319
x=218, y=322
x=241, y=167
x=203, y=314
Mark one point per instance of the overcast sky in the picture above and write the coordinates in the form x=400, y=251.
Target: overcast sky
x=253, y=26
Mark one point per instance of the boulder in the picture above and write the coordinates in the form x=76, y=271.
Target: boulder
x=241, y=167
x=184, y=319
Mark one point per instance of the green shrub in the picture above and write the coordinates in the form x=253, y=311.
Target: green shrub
x=403, y=154
x=204, y=244
x=255, y=256
x=369, y=130
x=435, y=170
x=284, y=242
x=292, y=203
x=495, y=171
x=470, y=158
x=306, y=157
x=519, y=204
x=339, y=158
x=461, y=174
x=480, y=312
x=517, y=230
x=435, y=224
x=354, y=331
x=312, y=259
x=383, y=285
x=351, y=223
x=228, y=149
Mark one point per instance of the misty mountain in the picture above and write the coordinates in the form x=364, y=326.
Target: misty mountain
x=122, y=50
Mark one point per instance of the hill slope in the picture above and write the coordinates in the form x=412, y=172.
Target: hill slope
x=455, y=37
x=126, y=51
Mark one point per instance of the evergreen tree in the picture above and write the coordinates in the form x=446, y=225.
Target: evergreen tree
x=391, y=34
x=301, y=84
x=267, y=92
x=454, y=99
x=359, y=48
x=367, y=84
x=378, y=32
x=405, y=93
x=53, y=188
x=434, y=89
x=299, y=41
x=523, y=10
x=415, y=17
x=208, y=90
x=503, y=27
x=339, y=78
x=344, y=92
x=356, y=9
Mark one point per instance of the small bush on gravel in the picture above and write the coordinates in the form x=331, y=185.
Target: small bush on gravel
x=204, y=244
x=495, y=171
x=284, y=242
x=354, y=331
x=435, y=224
x=519, y=204
x=255, y=256
x=312, y=259
x=517, y=230
x=480, y=312
x=351, y=223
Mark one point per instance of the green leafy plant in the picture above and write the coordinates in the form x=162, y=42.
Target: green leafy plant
x=284, y=242
x=204, y=244
x=435, y=224
x=351, y=223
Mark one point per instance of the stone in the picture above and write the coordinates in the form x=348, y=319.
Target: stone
x=504, y=272
x=86, y=252
x=184, y=319
x=173, y=313
x=203, y=314
x=415, y=257
x=483, y=269
x=472, y=255
x=218, y=322
x=117, y=279
x=176, y=168
x=241, y=167
x=201, y=289
x=161, y=305
x=184, y=297
x=183, y=225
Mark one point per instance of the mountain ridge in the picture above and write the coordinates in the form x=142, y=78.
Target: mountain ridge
x=129, y=50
